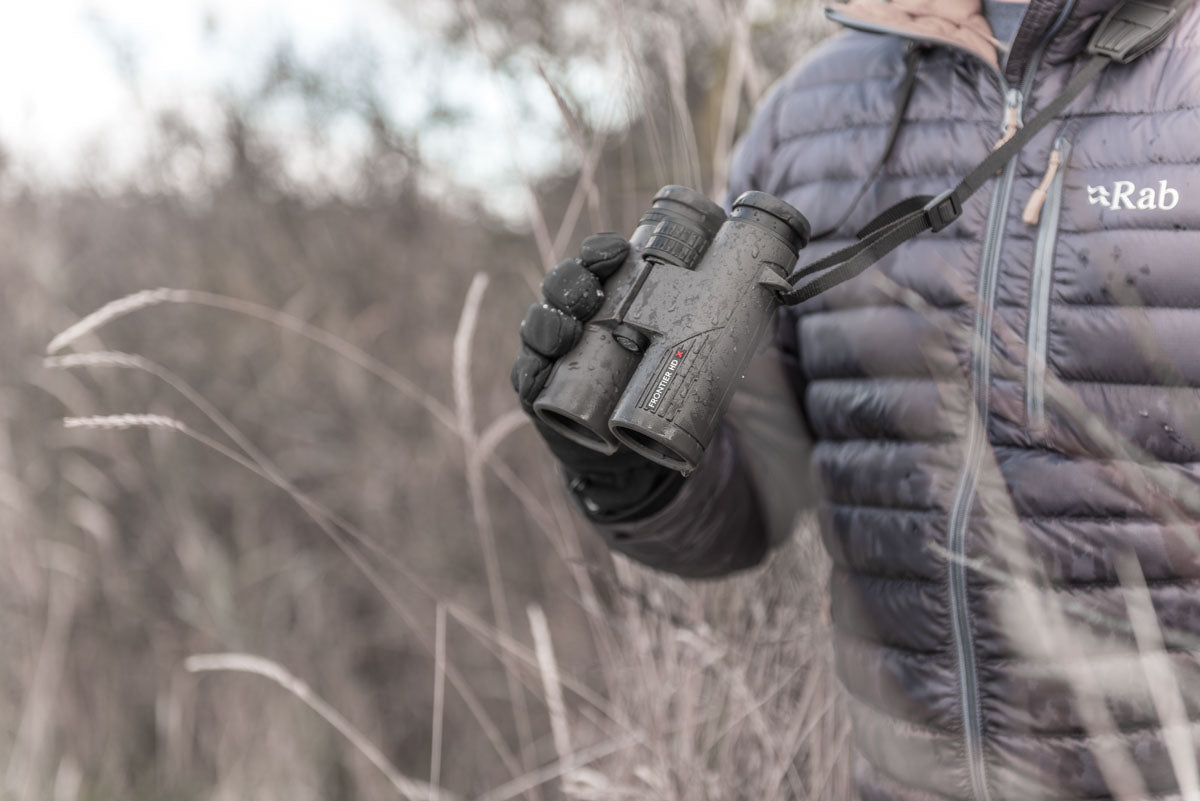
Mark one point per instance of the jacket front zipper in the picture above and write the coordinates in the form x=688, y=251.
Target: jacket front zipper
x=964, y=495
x=977, y=440
x=977, y=424
x=1039, y=300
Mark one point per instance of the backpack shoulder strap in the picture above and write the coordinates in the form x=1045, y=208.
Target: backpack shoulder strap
x=1128, y=31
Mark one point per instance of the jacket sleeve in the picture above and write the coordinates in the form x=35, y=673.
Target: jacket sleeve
x=743, y=498
x=712, y=527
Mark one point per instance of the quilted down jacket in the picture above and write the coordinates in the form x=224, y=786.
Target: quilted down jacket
x=1005, y=415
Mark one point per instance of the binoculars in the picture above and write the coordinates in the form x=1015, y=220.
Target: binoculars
x=656, y=367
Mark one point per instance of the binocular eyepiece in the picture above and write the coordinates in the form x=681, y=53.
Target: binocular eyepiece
x=657, y=365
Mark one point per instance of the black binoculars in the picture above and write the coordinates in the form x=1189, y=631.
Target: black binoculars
x=657, y=365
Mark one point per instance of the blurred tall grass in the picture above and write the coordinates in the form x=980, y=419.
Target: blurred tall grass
x=436, y=594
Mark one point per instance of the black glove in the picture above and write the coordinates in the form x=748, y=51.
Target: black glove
x=610, y=488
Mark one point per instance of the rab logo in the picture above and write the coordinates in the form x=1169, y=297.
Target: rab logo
x=1097, y=194
x=1123, y=193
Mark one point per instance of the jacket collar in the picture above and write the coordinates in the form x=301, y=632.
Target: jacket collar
x=1071, y=22
x=1084, y=16
x=960, y=24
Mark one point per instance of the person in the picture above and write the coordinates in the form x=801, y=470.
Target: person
x=1004, y=416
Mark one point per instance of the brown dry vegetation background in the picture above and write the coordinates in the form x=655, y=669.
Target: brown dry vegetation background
x=337, y=490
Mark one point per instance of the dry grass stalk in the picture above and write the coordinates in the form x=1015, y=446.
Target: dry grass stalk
x=644, y=85
x=30, y=750
x=736, y=72
x=589, y=157
x=465, y=408
x=1164, y=687
x=439, y=696
x=585, y=189
x=497, y=431
x=574, y=783
x=352, y=353
x=132, y=361
x=537, y=220
x=548, y=773
x=246, y=663
x=673, y=53
x=109, y=312
x=114, y=422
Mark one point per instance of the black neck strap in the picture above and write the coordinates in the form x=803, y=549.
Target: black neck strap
x=1131, y=29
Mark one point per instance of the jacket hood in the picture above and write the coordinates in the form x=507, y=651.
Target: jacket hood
x=958, y=23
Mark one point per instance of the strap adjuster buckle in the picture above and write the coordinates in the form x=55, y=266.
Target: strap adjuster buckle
x=942, y=210
x=1132, y=28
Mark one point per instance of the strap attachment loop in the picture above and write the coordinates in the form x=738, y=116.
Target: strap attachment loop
x=1132, y=28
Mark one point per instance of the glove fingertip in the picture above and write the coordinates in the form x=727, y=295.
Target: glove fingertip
x=529, y=375
x=604, y=253
x=550, y=332
x=574, y=289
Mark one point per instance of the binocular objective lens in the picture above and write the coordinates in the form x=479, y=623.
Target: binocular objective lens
x=573, y=429
x=651, y=448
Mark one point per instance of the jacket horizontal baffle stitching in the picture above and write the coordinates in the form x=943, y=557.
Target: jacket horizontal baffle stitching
x=1031, y=388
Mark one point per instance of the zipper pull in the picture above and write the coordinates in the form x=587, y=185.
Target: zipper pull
x=1012, y=116
x=1033, y=209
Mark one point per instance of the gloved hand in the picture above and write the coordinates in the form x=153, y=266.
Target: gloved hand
x=609, y=488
